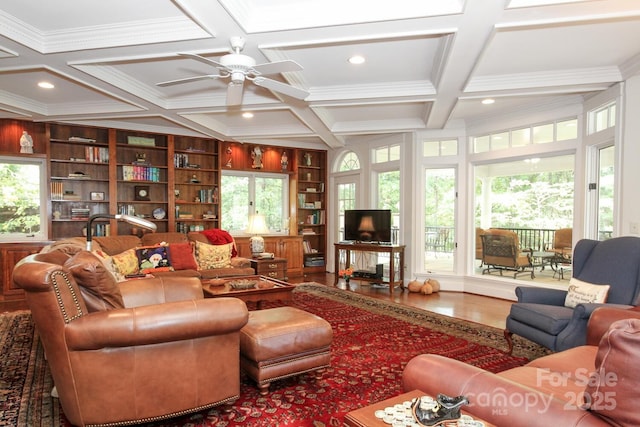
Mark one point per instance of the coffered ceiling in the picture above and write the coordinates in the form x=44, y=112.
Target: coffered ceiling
x=428, y=63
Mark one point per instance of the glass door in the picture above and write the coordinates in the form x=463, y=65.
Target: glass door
x=439, y=219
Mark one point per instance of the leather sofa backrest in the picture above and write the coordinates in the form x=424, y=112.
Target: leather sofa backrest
x=150, y=239
x=621, y=256
x=114, y=245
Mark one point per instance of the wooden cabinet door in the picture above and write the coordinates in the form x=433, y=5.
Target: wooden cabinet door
x=289, y=247
x=10, y=254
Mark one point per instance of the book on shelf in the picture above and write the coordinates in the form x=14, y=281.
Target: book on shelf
x=140, y=173
x=96, y=154
x=306, y=245
x=79, y=175
x=307, y=231
x=80, y=213
x=81, y=139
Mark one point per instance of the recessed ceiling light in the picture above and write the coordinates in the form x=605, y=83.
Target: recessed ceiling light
x=46, y=85
x=247, y=115
x=356, y=59
x=488, y=101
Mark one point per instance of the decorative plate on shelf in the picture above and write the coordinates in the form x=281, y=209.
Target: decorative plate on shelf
x=159, y=213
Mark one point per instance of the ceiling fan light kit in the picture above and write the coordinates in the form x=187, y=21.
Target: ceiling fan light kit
x=240, y=67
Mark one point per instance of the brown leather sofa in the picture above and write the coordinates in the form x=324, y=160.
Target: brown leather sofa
x=114, y=245
x=597, y=384
x=135, y=351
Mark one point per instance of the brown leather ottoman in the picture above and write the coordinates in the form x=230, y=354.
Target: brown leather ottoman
x=281, y=342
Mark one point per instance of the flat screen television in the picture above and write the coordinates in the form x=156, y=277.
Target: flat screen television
x=367, y=225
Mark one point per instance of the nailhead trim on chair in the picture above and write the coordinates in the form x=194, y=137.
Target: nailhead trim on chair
x=56, y=289
x=166, y=417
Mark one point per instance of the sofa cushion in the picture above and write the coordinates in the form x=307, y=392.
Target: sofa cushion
x=549, y=318
x=582, y=293
x=153, y=258
x=126, y=262
x=213, y=256
x=113, y=245
x=182, y=257
x=613, y=388
x=97, y=285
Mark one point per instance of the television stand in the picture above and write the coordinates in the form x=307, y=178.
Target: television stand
x=396, y=262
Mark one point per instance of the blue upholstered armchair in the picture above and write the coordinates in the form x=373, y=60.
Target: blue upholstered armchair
x=540, y=314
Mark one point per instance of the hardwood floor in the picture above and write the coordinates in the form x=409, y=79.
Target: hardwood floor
x=475, y=308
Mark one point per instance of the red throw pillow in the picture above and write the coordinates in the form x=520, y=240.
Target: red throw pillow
x=217, y=236
x=181, y=256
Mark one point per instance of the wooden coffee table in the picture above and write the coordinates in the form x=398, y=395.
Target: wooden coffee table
x=265, y=289
x=364, y=417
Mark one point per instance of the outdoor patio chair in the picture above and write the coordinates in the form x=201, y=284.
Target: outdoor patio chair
x=562, y=245
x=501, y=251
x=540, y=315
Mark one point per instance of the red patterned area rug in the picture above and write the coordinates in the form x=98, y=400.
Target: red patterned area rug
x=373, y=341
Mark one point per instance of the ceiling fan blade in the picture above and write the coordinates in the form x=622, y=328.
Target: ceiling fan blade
x=234, y=93
x=188, y=79
x=202, y=59
x=277, y=67
x=281, y=87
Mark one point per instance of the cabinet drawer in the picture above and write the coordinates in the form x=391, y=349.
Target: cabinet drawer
x=274, y=268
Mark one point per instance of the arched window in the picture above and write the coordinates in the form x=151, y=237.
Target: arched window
x=350, y=162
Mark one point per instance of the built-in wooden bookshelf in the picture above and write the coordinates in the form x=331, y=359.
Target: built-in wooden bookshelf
x=311, y=207
x=196, y=184
x=171, y=180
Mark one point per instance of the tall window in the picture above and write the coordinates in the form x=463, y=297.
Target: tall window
x=389, y=194
x=244, y=194
x=439, y=218
x=532, y=197
x=346, y=201
x=22, y=199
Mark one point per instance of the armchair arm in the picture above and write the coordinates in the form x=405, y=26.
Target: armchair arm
x=604, y=316
x=153, y=324
x=530, y=294
x=161, y=289
x=495, y=399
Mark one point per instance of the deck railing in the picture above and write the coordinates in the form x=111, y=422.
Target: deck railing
x=442, y=239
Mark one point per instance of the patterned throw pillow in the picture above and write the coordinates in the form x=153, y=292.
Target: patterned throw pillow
x=126, y=262
x=582, y=293
x=153, y=258
x=181, y=256
x=213, y=256
x=107, y=261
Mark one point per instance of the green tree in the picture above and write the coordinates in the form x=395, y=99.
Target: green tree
x=19, y=198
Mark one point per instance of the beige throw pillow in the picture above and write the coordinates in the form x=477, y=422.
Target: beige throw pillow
x=582, y=292
x=213, y=256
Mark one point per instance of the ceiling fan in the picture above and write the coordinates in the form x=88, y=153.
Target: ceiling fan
x=241, y=67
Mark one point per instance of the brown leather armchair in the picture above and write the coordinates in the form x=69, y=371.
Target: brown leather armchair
x=146, y=350
x=592, y=385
